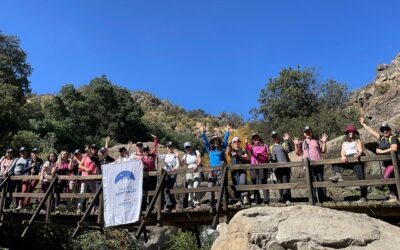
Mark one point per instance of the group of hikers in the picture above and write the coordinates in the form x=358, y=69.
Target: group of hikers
x=254, y=152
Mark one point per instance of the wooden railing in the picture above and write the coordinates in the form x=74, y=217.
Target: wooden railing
x=222, y=200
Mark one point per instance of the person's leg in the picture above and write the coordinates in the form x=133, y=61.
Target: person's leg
x=265, y=174
x=168, y=186
x=255, y=180
x=82, y=190
x=189, y=181
x=278, y=174
x=25, y=189
x=19, y=190
x=285, y=178
x=358, y=169
x=211, y=182
x=196, y=183
x=319, y=177
x=243, y=181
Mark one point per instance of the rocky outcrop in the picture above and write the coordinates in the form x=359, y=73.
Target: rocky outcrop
x=305, y=227
x=380, y=99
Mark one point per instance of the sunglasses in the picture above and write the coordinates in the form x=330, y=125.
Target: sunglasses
x=187, y=148
x=236, y=142
x=385, y=129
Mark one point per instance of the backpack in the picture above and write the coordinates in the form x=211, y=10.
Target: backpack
x=391, y=138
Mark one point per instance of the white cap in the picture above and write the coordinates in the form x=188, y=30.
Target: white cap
x=187, y=144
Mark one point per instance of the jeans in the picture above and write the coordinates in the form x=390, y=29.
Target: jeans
x=260, y=176
x=239, y=177
x=169, y=184
x=214, y=179
x=283, y=176
x=317, y=173
x=358, y=169
x=193, y=181
x=149, y=184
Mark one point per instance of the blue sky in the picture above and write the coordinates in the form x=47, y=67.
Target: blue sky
x=213, y=55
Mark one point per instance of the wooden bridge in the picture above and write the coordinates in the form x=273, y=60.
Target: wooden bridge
x=375, y=206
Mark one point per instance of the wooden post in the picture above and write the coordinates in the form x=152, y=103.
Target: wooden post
x=225, y=195
x=4, y=187
x=48, y=194
x=221, y=192
x=87, y=212
x=150, y=207
x=160, y=199
x=50, y=198
x=309, y=180
x=100, y=216
x=395, y=162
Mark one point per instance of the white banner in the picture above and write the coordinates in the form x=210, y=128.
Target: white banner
x=122, y=192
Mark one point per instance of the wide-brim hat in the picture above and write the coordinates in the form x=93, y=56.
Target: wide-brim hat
x=350, y=128
x=215, y=138
x=122, y=149
x=384, y=126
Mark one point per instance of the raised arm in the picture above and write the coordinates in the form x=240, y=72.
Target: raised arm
x=226, y=136
x=324, y=140
x=107, y=141
x=205, y=141
x=155, y=144
x=369, y=129
x=297, y=145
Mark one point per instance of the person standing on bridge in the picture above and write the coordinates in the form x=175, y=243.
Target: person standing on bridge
x=61, y=169
x=7, y=163
x=259, y=155
x=279, y=153
x=239, y=177
x=388, y=143
x=22, y=167
x=312, y=149
x=192, y=160
x=149, y=160
x=352, y=147
x=216, y=153
x=172, y=163
x=36, y=165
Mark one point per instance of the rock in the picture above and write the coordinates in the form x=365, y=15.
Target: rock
x=159, y=237
x=305, y=227
x=382, y=67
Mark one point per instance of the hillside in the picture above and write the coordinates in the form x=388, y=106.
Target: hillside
x=178, y=120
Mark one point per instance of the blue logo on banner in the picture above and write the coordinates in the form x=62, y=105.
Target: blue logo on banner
x=124, y=176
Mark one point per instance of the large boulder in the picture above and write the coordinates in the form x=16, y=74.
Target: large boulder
x=305, y=227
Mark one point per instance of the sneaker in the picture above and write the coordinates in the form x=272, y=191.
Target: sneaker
x=246, y=201
x=18, y=208
x=238, y=204
x=361, y=200
x=288, y=203
x=392, y=199
x=79, y=209
x=336, y=177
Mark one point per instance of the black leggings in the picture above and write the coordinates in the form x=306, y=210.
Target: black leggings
x=358, y=169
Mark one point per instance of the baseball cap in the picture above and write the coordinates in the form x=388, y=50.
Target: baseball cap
x=384, y=126
x=35, y=150
x=77, y=152
x=169, y=144
x=307, y=128
x=187, y=144
x=274, y=133
x=94, y=146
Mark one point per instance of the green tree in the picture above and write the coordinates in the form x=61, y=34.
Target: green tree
x=291, y=94
x=296, y=98
x=14, y=86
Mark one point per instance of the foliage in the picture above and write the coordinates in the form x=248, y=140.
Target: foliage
x=382, y=88
x=295, y=99
x=111, y=239
x=14, y=86
x=182, y=241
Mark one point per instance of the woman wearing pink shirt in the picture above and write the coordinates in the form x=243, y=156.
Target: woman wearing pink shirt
x=312, y=149
x=61, y=169
x=149, y=158
x=259, y=154
x=87, y=167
